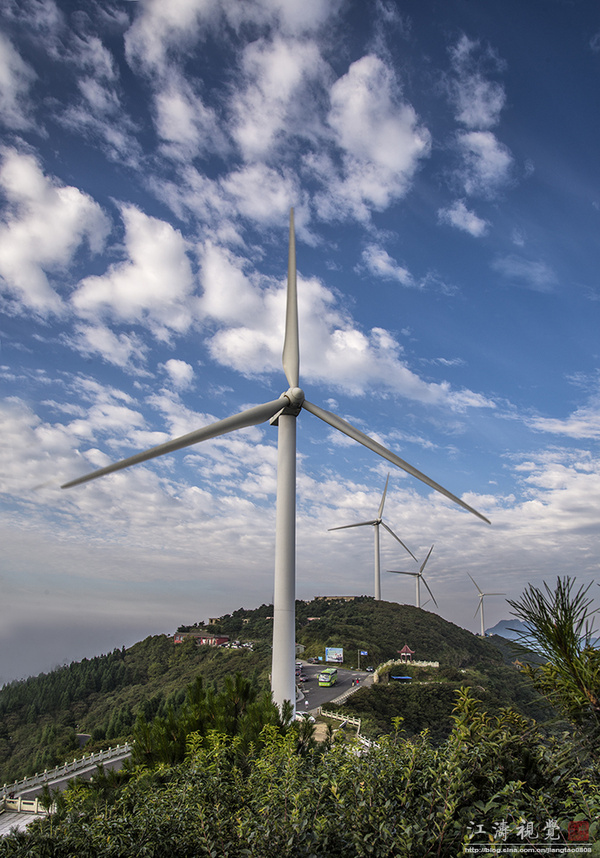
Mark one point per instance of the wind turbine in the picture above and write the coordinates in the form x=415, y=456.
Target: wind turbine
x=480, y=605
x=281, y=412
x=418, y=576
x=375, y=523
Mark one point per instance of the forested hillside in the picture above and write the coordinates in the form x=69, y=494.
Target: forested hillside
x=41, y=717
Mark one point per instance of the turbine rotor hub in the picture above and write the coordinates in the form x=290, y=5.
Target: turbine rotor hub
x=295, y=396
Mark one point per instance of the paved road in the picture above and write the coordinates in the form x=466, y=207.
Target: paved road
x=316, y=696
x=9, y=820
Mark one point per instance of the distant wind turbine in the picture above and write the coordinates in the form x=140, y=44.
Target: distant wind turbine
x=375, y=523
x=482, y=596
x=281, y=412
x=419, y=577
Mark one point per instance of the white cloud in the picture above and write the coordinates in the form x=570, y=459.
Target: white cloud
x=186, y=125
x=229, y=296
x=380, y=137
x=487, y=163
x=378, y=262
x=162, y=29
x=16, y=77
x=153, y=287
x=535, y=274
x=124, y=350
x=271, y=107
x=180, y=373
x=478, y=101
x=97, y=112
x=43, y=228
x=584, y=422
x=459, y=216
x=298, y=18
x=262, y=194
x=159, y=26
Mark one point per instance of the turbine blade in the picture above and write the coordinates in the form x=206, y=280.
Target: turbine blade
x=345, y=427
x=475, y=582
x=398, y=572
x=429, y=590
x=494, y=594
x=291, y=348
x=389, y=530
x=426, y=559
x=380, y=511
x=344, y=526
x=250, y=417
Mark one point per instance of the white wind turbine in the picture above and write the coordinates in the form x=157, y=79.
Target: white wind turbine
x=281, y=412
x=418, y=576
x=375, y=523
x=480, y=605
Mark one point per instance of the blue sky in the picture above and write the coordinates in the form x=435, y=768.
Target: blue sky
x=442, y=159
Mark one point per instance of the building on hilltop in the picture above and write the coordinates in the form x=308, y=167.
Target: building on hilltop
x=406, y=653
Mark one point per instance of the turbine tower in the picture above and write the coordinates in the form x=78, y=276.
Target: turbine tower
x=418, y=576
x=375, y=523
x=480, y=605
x=281, y=412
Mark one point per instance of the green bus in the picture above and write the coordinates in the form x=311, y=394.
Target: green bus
x=328, y=676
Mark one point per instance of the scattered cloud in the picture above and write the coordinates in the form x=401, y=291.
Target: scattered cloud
x=381, y=139
x=378, y=262
x=96, y=110
x=459, y=216
x=583, y=423
x=534, y=274
x=125, y=350
x=184, y=123
x=478, y=101
x=45, y=224
x=272, y=103
x=16, y=78
x=152, y=287
x=180, y=373
x=486, y=163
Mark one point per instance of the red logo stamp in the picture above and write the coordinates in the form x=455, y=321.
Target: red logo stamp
x=579, y=831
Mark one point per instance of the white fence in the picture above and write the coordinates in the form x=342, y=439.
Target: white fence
x=347, y=719
x=9, y=793
x=23, y=805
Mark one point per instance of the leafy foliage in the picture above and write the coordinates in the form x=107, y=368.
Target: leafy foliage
x=238, y=710
x=403, y=797
x=559, y=627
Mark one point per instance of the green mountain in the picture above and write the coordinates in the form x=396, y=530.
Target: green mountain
x=41, y=717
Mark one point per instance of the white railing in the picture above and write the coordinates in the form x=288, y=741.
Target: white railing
x=347, y=719
x=10, y=792
x=23, y=805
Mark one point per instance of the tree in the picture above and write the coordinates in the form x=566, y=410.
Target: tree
x=559, y=627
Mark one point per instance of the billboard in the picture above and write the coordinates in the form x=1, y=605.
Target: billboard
x=334, y=653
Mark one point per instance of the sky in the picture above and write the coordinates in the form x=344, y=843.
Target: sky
x=442, y=161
